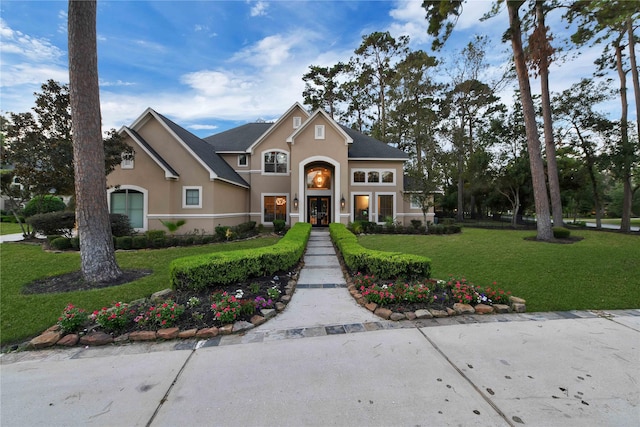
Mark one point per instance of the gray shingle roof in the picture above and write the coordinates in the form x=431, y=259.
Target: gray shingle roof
x=205, y=153
x=238, y=139
x=366, y=147
x=363, y=146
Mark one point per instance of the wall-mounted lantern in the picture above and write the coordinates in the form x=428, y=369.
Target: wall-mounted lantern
x=342, y=202
x=295, y=201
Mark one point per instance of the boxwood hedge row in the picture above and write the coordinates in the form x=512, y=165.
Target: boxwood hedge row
x=385, y=265
x=206, y=271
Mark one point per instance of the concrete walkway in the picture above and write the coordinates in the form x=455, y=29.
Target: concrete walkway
x=327, y=361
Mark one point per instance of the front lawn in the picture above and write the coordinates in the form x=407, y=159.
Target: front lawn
x=600, y=272
x=23, y=316
x=9, y=228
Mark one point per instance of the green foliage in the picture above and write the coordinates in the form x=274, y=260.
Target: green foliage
x=53, y=223
x=124, y=242
x=44, y=204
x=204, y=271
x=279, y=225
x=72, y=319
x=61, y=243
x=120, y=225
x=139, y=242
x=114, y=318
x=173, y=226
x=221, y=232
x=561, y=233
x=378, y=263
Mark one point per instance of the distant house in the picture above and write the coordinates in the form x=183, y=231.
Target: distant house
x=304, y=167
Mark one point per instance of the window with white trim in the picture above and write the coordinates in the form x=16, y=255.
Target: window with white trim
x=242, y=160
x=192, y=197
x=361, y=207
x=297, y=121
x=385, y=207
x=274, y=207
x=373, y=176
x=415, y=203
x=275, y=162
x=319, y=132
x=130, y=203
x=126, y=163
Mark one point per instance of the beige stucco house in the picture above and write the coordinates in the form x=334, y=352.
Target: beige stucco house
x=304, y=167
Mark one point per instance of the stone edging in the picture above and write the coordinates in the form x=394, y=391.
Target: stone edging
x=55, y=336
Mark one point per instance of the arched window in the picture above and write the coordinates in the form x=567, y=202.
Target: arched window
x=275, y=162
x=130, y=203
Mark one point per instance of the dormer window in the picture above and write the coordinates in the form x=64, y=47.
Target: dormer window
x=319, y=132
x=297, y=122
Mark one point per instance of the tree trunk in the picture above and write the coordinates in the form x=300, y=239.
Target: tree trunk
x=543, y=221
x=550, y=146
x=97, y=254
x=634, y=70
x=626, y=148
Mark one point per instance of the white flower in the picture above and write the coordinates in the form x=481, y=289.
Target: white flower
x=239, y=293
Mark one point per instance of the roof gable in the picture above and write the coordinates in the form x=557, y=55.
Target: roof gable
x=196, y=147
x=169, y=172
x=307, y=123
x=278, y=123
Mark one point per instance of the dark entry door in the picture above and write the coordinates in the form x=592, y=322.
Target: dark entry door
x=319, y=211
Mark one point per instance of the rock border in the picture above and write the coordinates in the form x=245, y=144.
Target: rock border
x=55, y=336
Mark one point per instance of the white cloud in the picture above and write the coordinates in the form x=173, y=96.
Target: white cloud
x=260, y=8
x=269, y=52
x=26, y=47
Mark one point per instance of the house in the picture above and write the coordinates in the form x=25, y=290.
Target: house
x=304, y=167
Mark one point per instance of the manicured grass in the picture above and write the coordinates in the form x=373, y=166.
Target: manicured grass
x=600, y=272
x=24, y=316
x=9, y=228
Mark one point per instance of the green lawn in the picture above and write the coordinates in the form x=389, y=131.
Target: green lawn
x=600, y=272
x=635, y=222
x=9, y=228
x=23, y=316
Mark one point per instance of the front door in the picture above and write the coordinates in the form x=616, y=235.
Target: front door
x=319, y=211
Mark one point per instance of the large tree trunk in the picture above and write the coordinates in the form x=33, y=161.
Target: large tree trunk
x=550, y=146
x=92, y=214
x=634, y=71
x=626, y=147
x=543, y=220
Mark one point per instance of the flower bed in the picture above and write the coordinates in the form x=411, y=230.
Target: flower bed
x=398, y=300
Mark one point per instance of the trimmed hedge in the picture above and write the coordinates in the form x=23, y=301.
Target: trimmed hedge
x=386, y=265
x=205, y=271
x=561, y=232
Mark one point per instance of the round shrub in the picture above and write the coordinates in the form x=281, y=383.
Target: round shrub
x=44, y=204
x=123, y=242
x=120, y=225
x=561, y=233
x=53, y=223
x=278, y=225
x=139, y=242
x=61, y=243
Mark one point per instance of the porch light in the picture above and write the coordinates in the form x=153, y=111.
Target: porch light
x=342, y=202
x=295, y=201
x=318, y=179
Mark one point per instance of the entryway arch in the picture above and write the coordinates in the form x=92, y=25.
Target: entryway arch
x=319, y=185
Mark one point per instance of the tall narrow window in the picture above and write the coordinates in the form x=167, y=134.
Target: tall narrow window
x=319, y=131
x=242, y=160
x=297, y=121
x=275, y=207
x=129, y=203
x=385, y=207
x=361, y=208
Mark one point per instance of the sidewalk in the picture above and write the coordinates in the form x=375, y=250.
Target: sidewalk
x=327, y=361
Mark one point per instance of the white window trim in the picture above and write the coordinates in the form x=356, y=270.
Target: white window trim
x=319, y=132
x=353, y=204
x=145, y=201
x=263, y=195
x=275, y=173
x=413, y=204
x=395, y=210
x=366, y=176
x=184, y=196
x=246, y=160
x=297, y=122
x=126, y=164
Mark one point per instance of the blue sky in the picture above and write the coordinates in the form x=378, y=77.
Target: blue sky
x=213, y=65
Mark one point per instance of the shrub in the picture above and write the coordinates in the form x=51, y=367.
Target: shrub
x=124, y=242
x=220, y=268
x=44, y=204
x=378, y=263
x=416, y=223
x=221, y=232
x=115, y=318
x=72, y=319
x=139, y=242
x=246, y=227
x=61, y=243
x=561, y=233
x=53, y=223
x=120, y=225
x=75, y=243
x=155, y=234
x=279, y=225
